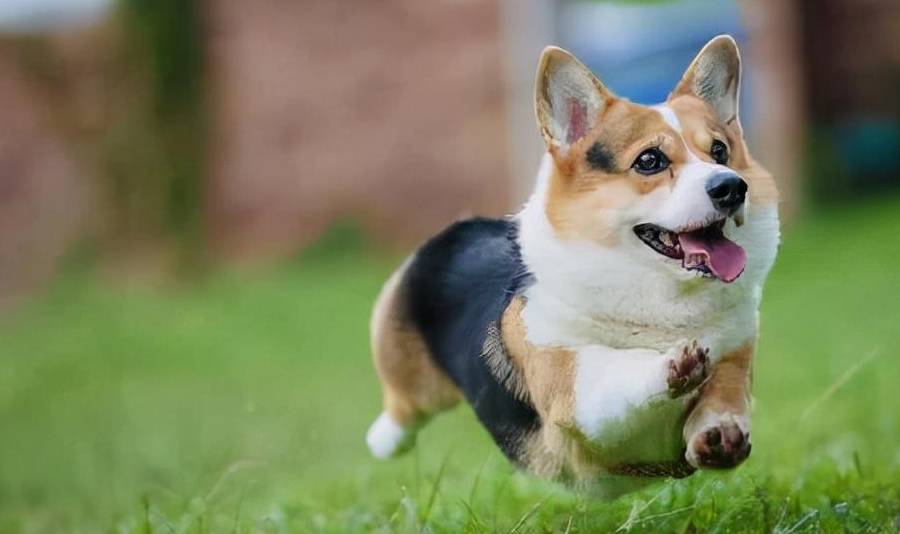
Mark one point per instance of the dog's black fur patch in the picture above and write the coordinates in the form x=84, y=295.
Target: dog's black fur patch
x=599, y=158
x=456, y=289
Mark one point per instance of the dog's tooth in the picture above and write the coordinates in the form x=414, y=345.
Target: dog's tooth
x=739, y=219
x=666, y=238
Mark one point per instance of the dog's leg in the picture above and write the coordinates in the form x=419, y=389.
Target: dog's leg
x=413, y=387
x=594, y=393
x=612, y=384
x=619, y=406
x=717, y=431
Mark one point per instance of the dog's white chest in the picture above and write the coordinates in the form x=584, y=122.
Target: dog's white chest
x=622, y=406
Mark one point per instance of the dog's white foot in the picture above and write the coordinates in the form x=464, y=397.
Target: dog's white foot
x=387, y=438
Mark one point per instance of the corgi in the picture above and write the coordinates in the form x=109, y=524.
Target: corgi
x=605, y=333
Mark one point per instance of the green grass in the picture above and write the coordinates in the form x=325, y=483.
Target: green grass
x=240, y=404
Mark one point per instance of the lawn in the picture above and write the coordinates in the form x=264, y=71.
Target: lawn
x=239, y=404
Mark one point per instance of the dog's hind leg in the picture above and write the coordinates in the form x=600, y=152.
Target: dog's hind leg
x=413, y=387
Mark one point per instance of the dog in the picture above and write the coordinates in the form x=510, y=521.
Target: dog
x=605, y=332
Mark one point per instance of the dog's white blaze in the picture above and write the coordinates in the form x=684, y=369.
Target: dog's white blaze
x=668, y=115
x=689, y=204
x=609, y=383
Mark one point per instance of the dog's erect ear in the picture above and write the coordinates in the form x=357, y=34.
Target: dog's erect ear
x=715, y=76
x=568, y=98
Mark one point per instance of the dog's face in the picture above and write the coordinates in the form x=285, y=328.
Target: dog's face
x=671, y=183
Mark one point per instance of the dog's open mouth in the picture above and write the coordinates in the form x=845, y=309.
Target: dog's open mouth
x=705, y=250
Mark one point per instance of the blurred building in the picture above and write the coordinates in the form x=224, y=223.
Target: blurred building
x=244, y=130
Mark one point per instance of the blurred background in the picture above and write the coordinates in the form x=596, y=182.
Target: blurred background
x=172, y=135
x=200, y=199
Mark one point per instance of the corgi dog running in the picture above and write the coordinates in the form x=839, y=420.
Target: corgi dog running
x=604, y=333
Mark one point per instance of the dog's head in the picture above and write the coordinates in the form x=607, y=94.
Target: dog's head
x=671, y=182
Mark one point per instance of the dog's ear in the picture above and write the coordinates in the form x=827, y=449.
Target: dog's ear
x=568, y=98
x=715, y=76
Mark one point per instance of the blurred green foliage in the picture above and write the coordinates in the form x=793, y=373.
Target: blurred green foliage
x=240, y=405
x=143, y=139
x=165, y=38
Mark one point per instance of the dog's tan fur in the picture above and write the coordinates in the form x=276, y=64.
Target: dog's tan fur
x=548, y=375
x=413, y=387
x=580, y=199
x=726, y=391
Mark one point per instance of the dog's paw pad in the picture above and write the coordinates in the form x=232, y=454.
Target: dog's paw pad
x=688, y=369
x=720, y=446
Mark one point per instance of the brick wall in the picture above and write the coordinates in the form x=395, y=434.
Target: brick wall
x=386, y=112
x=42, y=200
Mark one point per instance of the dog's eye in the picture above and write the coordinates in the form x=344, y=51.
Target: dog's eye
x=651, y=161
x=719, y=152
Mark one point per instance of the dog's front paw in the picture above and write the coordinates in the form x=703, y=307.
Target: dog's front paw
x=721, y=445
x=688, y=369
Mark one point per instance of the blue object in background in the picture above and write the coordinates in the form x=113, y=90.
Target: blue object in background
x=867, y=145
x=640, y=51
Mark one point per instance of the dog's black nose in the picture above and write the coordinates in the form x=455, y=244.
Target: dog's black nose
x=727, y=191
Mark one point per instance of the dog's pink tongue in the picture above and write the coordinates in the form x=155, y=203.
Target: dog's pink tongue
x=726, y=259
